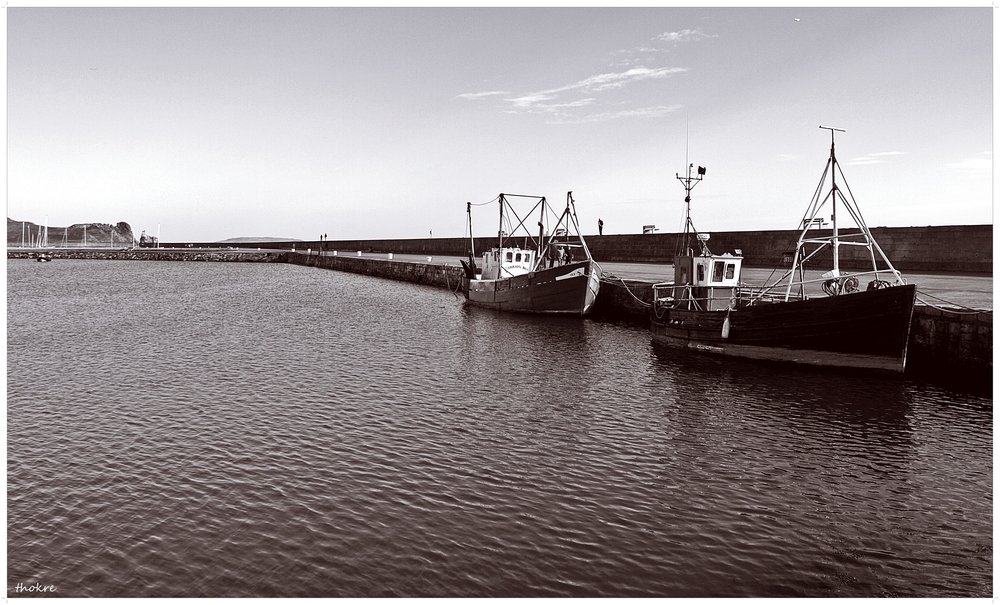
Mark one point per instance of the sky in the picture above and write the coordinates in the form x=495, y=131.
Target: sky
x=204, y=124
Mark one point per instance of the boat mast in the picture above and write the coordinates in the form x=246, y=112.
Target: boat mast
x=500, y=230
x=571, y=207
x=689, y=183
x=541, y=236
x=472, y=240
x=833, y=198
x=834, y=240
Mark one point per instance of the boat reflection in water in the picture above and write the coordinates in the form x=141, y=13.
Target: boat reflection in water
x=707, y=308
x=552, y=273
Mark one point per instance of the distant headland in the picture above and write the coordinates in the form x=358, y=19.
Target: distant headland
x=25, y=234
x=29, y=235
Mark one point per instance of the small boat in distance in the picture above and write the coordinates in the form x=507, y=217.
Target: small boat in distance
x=552, y=273
x=44, y=257
x=707, y=307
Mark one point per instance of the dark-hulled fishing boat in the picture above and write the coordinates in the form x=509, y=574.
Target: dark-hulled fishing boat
x=707, y=307
x=552, y=273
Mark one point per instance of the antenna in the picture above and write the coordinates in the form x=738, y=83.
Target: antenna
x=688, y=182
x=687, y=137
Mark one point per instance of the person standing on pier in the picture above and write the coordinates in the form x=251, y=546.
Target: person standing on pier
x=600, y=227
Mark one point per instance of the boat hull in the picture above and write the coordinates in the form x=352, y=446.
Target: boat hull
x=861, y=330
x=569, y=289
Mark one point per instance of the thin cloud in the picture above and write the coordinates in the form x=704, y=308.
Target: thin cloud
x=873, y=158
x=684, y=35
x=536, y=101
x=535, y=106
x=479, y=95
x=642, y=112
x=617, y=80
x=633, y=56
x=982, y=163
x=548, y=101
x=530, y=100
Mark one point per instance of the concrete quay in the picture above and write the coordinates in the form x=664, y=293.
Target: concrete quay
x=955, y=344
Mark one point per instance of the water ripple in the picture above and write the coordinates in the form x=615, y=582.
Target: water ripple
x=218, y=430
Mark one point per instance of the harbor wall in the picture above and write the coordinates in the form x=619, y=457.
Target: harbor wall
x=154, y=254
x=949, y=249
x=952, y=342
x=943, y=342
x=442, y=276
x=952, y=249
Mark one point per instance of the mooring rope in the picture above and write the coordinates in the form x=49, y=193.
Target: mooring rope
x=967, y=310
x=448, y=282
x=612, y=277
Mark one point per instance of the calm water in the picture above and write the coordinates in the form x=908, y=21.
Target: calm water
x=215, y=429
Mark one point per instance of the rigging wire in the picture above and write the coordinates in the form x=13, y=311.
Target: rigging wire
x=486, y=203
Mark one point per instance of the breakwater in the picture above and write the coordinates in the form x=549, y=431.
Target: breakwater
x=442, y=276
x=155, y=254
x=943, y=342
x=950, y=249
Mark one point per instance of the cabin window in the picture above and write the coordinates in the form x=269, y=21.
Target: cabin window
x=717, y=270
x=518, y=257
x=730, y=271
x=701, y=273
x=510, y=256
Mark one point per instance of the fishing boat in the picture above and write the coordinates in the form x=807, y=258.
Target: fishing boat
x=825, y=319
x=551, y=273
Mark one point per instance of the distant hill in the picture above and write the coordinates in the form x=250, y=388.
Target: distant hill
x=93, y=234
x=245, y=240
